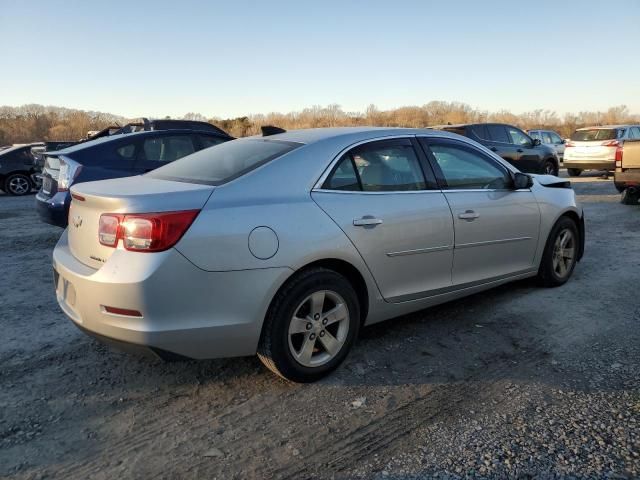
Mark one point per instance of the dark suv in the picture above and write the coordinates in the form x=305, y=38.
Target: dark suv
x=17, y=169
x=114, y=156
x=512, y=144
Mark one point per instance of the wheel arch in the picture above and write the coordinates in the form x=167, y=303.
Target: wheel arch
x=579, y=221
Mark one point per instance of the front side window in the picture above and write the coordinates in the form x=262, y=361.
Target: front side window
x=535, y=134
x=167, y=148
x=517, y=137
x=555, y=138
x=546, y=138
x=229, y=160
x=466, y=168
x=378, y=167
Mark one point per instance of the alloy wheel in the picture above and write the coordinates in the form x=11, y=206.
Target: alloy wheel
x=564, y=253
x=319, y=328
x=19, y=185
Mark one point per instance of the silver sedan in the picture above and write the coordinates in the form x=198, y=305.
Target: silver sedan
x=286, y=245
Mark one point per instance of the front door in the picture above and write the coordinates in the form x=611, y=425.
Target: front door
x=496, y=227
x=398, y=220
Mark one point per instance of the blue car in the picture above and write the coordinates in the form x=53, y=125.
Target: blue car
x=114, y=156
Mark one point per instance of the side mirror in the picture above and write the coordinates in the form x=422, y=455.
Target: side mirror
x=522, y=180
x=563, y=141
x=536, y=142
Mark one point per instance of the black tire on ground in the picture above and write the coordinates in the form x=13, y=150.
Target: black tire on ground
x=619, y=186
x=17, y=184
x=574, y=172
x=628, y=198
x=550, y=168
x=274, y=350
x=547, y=275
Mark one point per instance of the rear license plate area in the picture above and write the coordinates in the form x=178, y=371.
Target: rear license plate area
x=46, y=184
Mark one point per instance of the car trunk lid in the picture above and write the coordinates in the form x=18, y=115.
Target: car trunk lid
x=130, y=195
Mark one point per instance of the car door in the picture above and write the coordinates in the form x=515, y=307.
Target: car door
x=383, y=195
x=558, y=143
x=500, y=143
x=528, y=157
x=496, y=228
x=160, y=149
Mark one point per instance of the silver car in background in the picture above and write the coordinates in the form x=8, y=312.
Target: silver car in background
x=286, y=245
x=597, y=148
x=551, y=138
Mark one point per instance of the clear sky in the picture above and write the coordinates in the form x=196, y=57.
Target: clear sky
x=230, y=58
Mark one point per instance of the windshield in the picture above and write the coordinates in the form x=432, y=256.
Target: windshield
x=223, y=162
x=597, y=134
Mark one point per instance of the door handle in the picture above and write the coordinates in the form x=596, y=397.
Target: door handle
x=367, y=221
x=469, y=215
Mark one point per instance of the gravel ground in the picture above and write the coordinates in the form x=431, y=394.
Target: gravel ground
x=516, y=382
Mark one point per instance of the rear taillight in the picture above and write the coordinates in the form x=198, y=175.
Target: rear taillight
x=611, y=143
x=619, y=156
x=69, y=170
x=145, y=232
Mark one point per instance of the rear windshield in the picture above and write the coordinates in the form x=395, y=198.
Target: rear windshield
x=596, y=134
x=224, y=162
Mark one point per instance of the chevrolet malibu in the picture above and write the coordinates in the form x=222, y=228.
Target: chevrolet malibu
x=286, y=245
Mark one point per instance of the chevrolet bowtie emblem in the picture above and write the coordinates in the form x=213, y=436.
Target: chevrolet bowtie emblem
x=77, y=221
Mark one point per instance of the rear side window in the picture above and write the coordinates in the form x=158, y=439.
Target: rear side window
x=126, y=151
x=555, y=138
x=229, y=160
x=546, y=138
x=517, y=137
x=535, y=134
x=634, y=133
x=597, y=134
x=209, y=141
x=498, y=133
x=167, y=148
x=480, y=131
x=379, y=167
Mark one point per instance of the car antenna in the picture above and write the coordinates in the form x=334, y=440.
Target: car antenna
x=271, y=130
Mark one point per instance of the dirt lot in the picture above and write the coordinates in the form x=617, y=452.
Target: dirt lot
x=517, y=381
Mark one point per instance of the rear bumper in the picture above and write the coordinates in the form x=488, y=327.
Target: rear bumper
x=53, y=210
x=185, y=311
x=585, y=164
x=629, y=177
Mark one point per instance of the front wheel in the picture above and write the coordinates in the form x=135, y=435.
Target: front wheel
x=311, y=325
x=17, y=184
x=549, y=168
x=560, y=253
x=574, y=172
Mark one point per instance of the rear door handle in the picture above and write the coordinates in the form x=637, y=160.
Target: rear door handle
x=367, y=221
x=469, y=215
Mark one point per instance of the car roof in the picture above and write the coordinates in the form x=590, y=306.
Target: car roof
x=346, y=134
x=595, y=127
x=13, y=148
x=132, y=135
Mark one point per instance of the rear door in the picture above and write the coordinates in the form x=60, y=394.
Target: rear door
x=496, y=227
x=158, y=150
x=383, y=195
x=500, y=143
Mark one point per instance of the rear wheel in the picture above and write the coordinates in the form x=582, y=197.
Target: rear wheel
x=310, y=327
x=560, y=253
x=628, y=198
x=17, y=184
x=574, y=172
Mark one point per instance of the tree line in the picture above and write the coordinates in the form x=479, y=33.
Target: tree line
x=33, y=123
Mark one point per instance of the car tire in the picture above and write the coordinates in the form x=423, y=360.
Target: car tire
x=292, y=343
x=554, y=269
x=17, y=184
x=574, y=172
x=628, y=198
x=549, y=168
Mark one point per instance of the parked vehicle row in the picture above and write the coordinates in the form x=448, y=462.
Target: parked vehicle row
x=512, y=144
x=285, y=245
x=114, y=156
